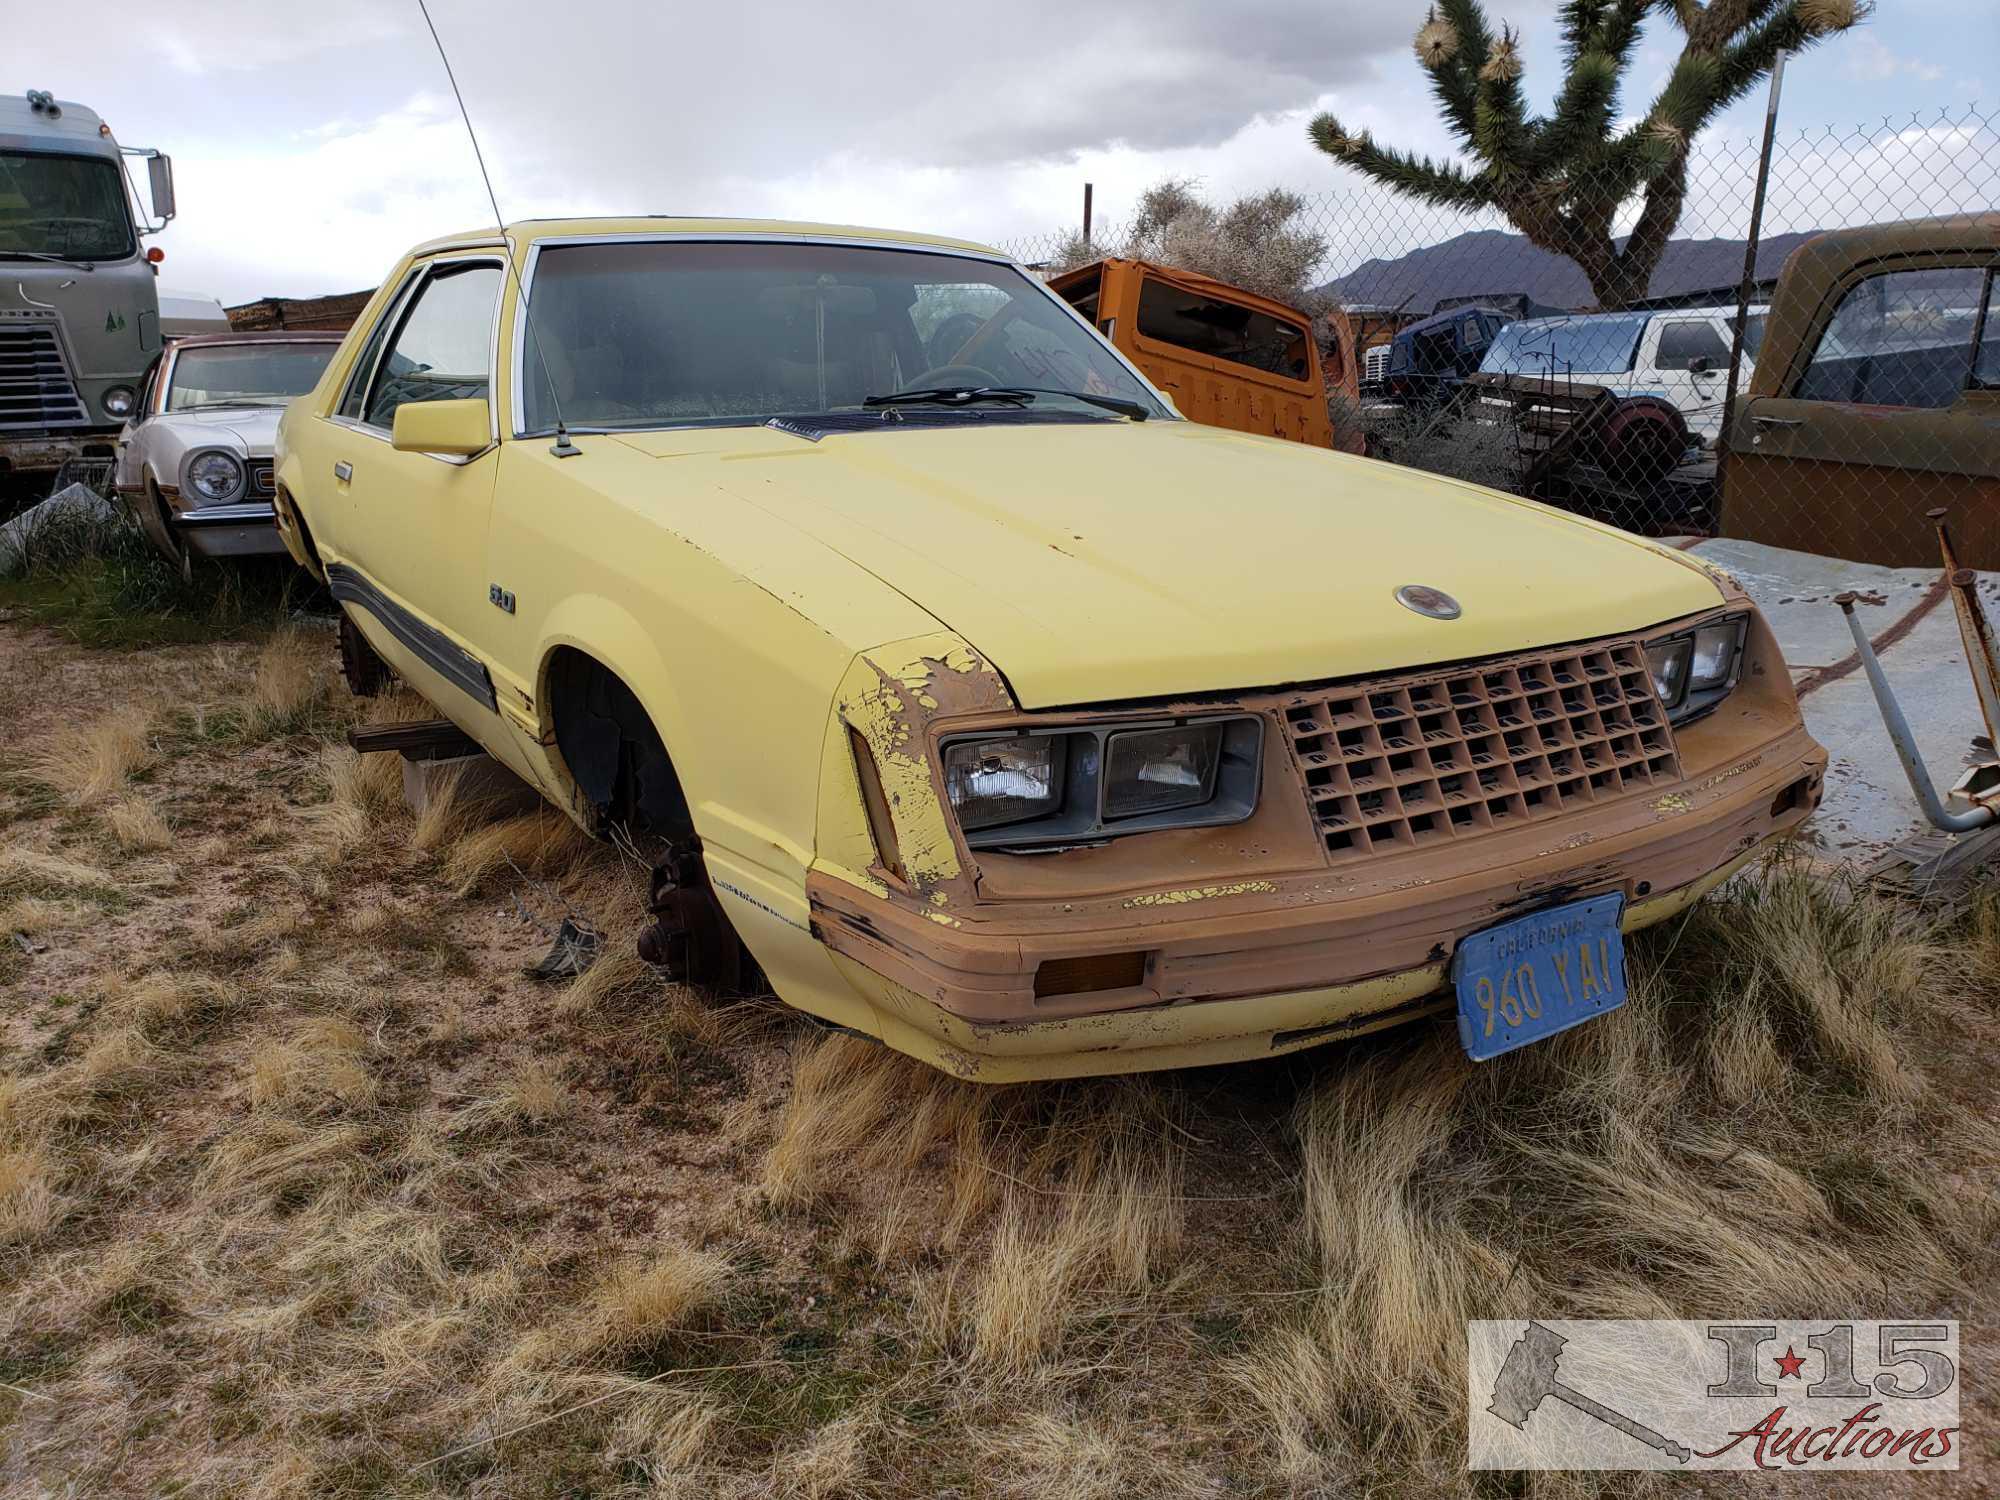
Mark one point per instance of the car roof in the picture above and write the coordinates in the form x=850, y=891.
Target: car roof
x=1192, y=280
x=526, y=231
x=261, y=336
x=1452, y=314
x=1707, y=312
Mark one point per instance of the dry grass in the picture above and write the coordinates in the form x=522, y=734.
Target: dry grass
x=31, y=916
x=305, y=1191
x=642, y=1301
x=1613, y=1172
x=542, y=844
x=320, y=1065
x=30, y=1206
x=531, y=1094
x=38, y=866
x=295, y=683
x=88, y=763
x=137, y=826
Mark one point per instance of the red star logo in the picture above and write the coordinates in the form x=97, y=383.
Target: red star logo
x=1789, y=1364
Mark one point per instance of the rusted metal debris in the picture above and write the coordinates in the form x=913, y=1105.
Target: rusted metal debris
x=690, y=937
x=574, y=949
x=425, y=739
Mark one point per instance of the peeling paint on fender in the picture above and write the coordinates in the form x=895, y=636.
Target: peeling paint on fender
x=1201, y=893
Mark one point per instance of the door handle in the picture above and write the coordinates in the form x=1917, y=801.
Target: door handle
x=1770, y=422
x=343, y=470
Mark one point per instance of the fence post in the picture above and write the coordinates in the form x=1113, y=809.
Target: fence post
x=1743, y=291
x=1086, y=217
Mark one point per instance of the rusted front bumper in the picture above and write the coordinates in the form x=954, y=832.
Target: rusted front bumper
x=1252, y=967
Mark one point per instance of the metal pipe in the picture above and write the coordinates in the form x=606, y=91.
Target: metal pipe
x=1901, y=737
x=1981, y=657
x=1745, y=287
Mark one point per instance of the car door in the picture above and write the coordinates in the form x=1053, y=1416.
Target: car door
x=128, y=475
x=1888, y=410
x=404, y=534
x=1691, y=368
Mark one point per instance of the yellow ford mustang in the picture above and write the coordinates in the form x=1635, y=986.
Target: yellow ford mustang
x=993, y=709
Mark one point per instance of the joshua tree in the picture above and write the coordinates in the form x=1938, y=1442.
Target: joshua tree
x=1562, y=178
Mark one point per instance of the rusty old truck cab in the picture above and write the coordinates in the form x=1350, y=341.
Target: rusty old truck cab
x=1876, y=397
x=1229, y=357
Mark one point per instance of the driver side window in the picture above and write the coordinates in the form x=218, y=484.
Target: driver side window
x=444, y=348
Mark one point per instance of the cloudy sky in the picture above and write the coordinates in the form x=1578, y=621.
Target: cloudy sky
x=312, y=145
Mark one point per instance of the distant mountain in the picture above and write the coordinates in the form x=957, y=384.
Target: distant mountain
x=1492, y=261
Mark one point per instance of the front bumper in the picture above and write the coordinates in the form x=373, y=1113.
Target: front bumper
x=246, y=530
x=1251, y=968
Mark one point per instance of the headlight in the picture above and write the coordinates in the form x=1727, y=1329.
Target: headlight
x=1668, y=661
x=1715, y=650
x=117, y=402
x=215, y=476
x=1003, y=781
x=1152, y=770
x=1694, y=670
x=1049, y=788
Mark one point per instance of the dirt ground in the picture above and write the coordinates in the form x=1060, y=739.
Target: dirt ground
x=306, y=1189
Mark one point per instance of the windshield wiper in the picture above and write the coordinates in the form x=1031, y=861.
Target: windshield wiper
x=1015, y=395
x=60, y=260
x=239, y=401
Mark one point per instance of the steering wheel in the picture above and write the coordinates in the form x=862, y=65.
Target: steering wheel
x=949, y=375
x=952, y=335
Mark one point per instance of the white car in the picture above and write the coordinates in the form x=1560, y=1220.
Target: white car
x=1680, y=355
x=194, y=460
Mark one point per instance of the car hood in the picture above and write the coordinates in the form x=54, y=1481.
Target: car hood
x=1092, y=563
x=250, y=428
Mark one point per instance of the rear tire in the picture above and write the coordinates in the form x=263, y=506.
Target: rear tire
x=368, y=676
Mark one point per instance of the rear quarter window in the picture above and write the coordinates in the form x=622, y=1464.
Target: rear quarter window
x=1223, y=330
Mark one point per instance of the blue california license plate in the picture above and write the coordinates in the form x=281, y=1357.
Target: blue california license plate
x=1537, y=975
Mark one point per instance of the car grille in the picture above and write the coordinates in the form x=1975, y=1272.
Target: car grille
x=1403, y=762
x=258, y=481
x=36, y=388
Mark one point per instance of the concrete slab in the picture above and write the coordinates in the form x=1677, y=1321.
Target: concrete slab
x=472, y=781
x=1908, y=614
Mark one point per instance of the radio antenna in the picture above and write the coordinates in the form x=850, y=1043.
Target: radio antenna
x=562, y=447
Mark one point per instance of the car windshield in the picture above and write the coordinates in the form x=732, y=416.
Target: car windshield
x=1599, y=345
x=68, y=206
x=246, y=374
x=634, y=334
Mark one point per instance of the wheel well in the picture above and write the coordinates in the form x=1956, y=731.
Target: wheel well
x=283, y=498
x=611, y=749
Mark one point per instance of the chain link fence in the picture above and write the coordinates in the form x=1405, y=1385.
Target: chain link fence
x=1867, y=371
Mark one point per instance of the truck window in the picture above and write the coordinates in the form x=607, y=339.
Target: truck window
x=1685, y=341
x=68, y=206
x=444, y=348
x=1083, y=294
x=1901, y=338
x=1223, y=330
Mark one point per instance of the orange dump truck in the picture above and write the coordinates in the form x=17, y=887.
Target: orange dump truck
x=1228, y=357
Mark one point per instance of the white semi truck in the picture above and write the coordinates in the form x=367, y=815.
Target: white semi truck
x=79, y=304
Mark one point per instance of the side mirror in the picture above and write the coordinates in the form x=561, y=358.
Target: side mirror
x=160, y=182
x=459, y=428
x=1701, y=364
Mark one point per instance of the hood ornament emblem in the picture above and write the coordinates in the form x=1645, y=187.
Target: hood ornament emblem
x=1433, y=604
